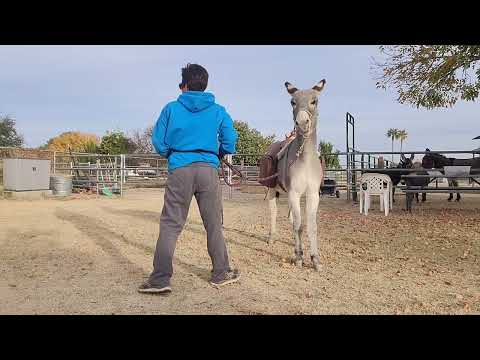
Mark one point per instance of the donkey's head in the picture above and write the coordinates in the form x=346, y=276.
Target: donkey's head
x=406, y=163
x=304, y=105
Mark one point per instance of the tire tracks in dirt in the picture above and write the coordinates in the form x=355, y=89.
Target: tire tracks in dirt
x=101, y=236
x=155, y=217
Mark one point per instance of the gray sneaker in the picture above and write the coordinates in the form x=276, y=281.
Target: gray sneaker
x=229, y=278
x=147, y=288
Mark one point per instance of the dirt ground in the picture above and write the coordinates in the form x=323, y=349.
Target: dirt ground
x=87, y=255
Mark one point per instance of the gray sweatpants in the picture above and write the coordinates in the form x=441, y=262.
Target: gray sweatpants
x=199, y=180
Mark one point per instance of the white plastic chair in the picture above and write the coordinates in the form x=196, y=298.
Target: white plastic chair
x=376, y=185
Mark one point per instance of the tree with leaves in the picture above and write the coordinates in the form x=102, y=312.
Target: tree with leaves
x=393, y=134
x=402, y=136
x=74, y=140
x=430, y=76
x=251, y=141
x=8, y=133
x=330, y=155
x=115, y=143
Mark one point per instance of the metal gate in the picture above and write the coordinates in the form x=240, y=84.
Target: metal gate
x=351, y=173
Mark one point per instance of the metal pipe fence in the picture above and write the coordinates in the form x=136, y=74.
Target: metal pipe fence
x=147, y=170
x=358, y=157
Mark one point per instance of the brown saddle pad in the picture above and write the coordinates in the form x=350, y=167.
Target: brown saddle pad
x=269, y=175
x=268, y=163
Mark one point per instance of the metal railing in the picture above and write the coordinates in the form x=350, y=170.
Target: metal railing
x=138, y=170
x=118, y=171
x=360, y=156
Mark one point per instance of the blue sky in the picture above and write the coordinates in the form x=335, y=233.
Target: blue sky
x=52, y=89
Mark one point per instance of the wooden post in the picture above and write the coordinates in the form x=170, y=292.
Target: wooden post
x=381, y=162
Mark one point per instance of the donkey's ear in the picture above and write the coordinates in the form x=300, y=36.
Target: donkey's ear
x=427, y=149
x=402, y=157
x=319, y=86
x=412, y=156
x=290, y=88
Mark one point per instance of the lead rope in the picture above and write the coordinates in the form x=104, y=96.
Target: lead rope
x=305, y=136
x=302, y=146
x=231, y=167
x=239, y=173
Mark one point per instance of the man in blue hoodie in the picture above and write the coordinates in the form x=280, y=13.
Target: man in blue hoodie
x=193, y=133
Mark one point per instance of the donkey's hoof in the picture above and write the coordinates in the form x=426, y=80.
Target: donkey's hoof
x=316, y=263
x=272, y=238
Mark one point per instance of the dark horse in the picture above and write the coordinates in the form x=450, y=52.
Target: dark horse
x=434, y=160
x=419, y=181
x=407, y=163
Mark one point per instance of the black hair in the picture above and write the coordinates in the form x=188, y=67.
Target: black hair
x=195, y=77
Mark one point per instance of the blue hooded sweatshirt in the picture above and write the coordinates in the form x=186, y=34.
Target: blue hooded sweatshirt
x=194, y=129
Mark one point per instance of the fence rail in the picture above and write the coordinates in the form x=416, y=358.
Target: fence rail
x=149, y=169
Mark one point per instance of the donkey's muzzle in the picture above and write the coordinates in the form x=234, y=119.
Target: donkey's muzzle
x=303, y=121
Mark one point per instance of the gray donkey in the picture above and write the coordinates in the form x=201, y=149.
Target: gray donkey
x=301, y=170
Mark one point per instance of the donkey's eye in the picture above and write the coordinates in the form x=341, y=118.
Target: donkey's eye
x=293, y=103
x=313, y=102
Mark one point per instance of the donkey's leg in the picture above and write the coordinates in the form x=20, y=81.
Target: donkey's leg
x=455, y=184
x=272, y=203
x=362, y=200
x=294, y=204
x=312, y=207
x=408, y=200
x=450, y=184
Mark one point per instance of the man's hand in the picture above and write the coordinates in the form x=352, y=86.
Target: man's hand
x=291, y=135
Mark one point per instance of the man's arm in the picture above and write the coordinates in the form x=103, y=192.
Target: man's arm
x=228, y=136
x=159, y=133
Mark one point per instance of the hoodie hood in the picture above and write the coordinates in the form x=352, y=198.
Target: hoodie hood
x=196, y=101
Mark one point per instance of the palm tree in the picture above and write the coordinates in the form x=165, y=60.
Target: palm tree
x=402, y=136
x=392, y=133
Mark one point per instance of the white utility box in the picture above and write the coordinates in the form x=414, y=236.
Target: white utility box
x=26, y=174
